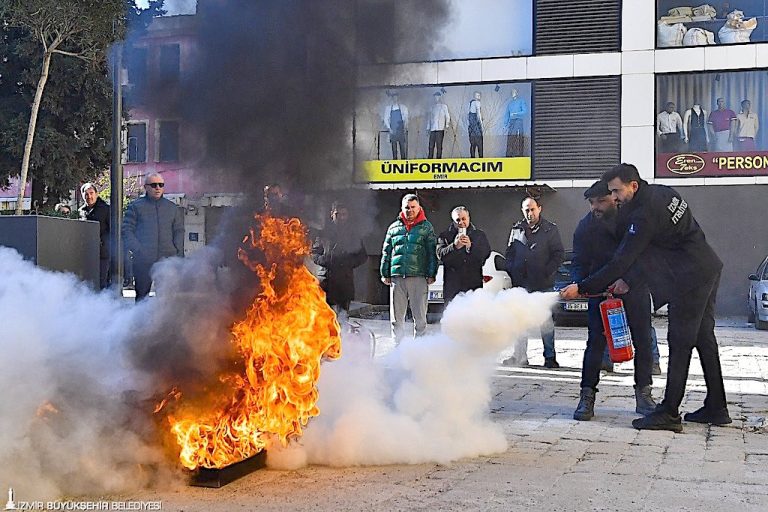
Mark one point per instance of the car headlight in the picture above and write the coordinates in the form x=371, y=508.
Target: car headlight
x=765, y=296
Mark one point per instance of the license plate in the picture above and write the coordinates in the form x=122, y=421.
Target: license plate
x=436, y=295
x=576, y=306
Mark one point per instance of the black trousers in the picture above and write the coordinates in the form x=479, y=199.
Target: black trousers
x=692, y=325
x=476, y=145
x=403, y=144
x=669, y=143
x=637, y=305
x=142, y=278
x=436, y=144
x=104, y=276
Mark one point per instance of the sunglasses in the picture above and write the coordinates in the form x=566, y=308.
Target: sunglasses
x=155, y=185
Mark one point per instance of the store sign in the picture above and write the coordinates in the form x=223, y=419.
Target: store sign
x=449, y=169
x=701, y=165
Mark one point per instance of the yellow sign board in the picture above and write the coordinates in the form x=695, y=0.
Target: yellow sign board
x=448, y=169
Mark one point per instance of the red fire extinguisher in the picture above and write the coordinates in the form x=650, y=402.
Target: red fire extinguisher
x=617, y=332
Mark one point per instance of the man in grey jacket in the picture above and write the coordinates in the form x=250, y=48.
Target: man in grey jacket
x=153, y=229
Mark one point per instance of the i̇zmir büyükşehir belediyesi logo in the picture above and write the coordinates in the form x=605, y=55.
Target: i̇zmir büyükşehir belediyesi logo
x=10, y=504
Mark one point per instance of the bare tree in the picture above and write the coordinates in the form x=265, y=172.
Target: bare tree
x=81, y=29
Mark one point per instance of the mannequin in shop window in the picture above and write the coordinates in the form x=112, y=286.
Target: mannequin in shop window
x=722, y=122
x=695, y=128
x=747, y=128
x=475, y=126
x=396, y=121
x=515, y=115
x=438, y=120
x=669, y=127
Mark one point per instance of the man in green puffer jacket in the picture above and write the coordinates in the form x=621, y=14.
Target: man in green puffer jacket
x=408, y=266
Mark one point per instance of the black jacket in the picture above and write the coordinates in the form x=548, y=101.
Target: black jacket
x=533, y=257
x=462, y=270
x=594, y=243
x=101, y=214
x=338, y=252
x=663, y=242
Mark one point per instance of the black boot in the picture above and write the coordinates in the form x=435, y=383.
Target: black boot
x=659, y=420
x=586, y=408
x=704, y=415
x=644, y=403
x=551, y=362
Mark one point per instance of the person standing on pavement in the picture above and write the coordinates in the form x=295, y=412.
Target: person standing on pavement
x=594, y=243
x=153, y=229
x=663, y=242
x=95, y=208
x=463, y=249
x=408, y=266
x=338, y=250
x=534, y=253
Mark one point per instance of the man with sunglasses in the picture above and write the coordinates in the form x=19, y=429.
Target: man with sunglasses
x=153, y=229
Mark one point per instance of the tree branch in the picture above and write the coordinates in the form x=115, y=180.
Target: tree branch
x=72, y=54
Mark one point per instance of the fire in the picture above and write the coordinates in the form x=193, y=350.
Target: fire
x=286, y=332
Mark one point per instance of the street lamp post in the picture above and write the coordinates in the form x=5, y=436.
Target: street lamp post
x=116, y=172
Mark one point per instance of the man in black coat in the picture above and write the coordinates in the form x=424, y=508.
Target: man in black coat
x=594, y=243
x=463, y=249
x=338, y=251
x=534, y=253
x=95, y=208
x=663, y=243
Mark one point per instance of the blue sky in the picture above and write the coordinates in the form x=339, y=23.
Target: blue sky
x=175, y=6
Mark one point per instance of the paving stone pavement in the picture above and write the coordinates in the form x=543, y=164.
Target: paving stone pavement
x=554, y=462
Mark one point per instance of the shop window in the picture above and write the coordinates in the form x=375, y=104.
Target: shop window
x=711, y=124
x=453, y=133
x=684, y=23
x=391, y=31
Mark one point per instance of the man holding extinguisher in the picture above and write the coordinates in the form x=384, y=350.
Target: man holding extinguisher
x=664, y=243
x=594, y=243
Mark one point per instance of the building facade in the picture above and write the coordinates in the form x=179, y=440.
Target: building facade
x=600, y=75
x=514, y=96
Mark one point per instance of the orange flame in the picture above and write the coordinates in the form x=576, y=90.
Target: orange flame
x=286, y=332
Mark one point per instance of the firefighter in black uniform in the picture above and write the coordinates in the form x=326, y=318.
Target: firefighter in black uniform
x=594, y=243
x=664, y=244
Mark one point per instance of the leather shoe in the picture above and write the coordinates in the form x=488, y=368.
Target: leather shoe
x=704, y=415
x=659, y=420
x=551, y=362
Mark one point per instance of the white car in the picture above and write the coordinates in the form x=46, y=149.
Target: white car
x=757, y=299
x=495, y=278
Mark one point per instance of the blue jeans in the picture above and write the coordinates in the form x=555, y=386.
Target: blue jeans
x=548, y=337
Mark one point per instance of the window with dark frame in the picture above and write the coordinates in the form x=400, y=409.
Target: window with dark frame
x=137, y=142
x=137, y=69
x=169, y=63
x=168, y=141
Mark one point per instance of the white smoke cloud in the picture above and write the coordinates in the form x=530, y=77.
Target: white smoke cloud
x=79, y=371
x=425, y=402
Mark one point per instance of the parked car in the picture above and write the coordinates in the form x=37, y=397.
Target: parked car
x=495, y=278
x=757, y=298
x=569, y=311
